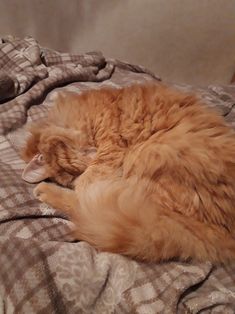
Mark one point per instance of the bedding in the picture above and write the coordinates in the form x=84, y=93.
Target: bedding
x=42, y=268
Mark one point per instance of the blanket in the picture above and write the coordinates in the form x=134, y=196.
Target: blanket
x=42, y=268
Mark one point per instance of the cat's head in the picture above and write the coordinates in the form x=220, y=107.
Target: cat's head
x=55, y=153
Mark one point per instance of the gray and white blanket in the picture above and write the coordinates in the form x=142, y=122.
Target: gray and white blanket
x=42, y=269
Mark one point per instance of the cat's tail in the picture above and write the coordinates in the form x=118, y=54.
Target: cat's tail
x=114, y=217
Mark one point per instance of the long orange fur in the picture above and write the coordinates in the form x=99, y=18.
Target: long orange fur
x=161, y=184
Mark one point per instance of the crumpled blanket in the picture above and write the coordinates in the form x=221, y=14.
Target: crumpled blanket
x=42, y=268
x=26, y=66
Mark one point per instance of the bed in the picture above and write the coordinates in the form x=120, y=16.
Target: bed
x=42, y=268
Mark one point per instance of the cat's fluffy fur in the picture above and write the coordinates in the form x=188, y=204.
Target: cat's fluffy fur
x=157, y=172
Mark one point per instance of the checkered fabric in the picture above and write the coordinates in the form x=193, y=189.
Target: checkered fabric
x=28, y=72
x=42, y=269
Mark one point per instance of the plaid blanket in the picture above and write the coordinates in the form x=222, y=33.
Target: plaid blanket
x=42, y=269
x=25, y=66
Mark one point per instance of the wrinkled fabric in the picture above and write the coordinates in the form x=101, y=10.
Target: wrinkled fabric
x=28, y=72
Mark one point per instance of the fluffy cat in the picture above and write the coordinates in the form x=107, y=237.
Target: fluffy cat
x=152, y=171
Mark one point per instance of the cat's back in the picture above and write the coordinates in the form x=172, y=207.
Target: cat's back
x=150, y=108
x=135, y=112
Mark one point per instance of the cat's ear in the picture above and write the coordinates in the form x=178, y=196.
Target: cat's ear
x=35, y=171
x=30, y=138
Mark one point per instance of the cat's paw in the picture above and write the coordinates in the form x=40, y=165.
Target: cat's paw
x=45, y=192
x=56, y=196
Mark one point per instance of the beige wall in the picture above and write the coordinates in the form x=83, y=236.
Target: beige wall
x=181, y=40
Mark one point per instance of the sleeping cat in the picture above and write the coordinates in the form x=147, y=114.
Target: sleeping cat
x=152, y=172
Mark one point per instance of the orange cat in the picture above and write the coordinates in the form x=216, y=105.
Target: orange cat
x=152, y=170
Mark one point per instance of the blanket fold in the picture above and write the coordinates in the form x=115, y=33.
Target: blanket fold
x=29, y=71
